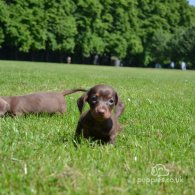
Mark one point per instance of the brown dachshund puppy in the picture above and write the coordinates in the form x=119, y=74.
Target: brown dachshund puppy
x=100, y=123
x=49, y=102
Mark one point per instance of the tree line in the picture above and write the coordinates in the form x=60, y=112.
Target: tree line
x=138, y=32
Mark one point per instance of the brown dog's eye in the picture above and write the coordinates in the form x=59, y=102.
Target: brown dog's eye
x=110, y=101
x=94, y=99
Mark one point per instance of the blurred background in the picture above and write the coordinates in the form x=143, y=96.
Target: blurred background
x=139, y=33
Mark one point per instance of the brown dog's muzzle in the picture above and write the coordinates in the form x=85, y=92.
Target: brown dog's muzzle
x=100, y=113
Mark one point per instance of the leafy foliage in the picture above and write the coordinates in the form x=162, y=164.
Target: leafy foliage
x=133, y=30
x=60, y=25
x=187, y=44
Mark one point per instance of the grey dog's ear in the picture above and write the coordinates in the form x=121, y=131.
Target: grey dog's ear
x=81, y=102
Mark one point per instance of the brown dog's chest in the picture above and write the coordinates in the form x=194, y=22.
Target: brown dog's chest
x=97, y=131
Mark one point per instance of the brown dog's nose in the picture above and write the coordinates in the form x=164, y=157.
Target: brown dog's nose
x=101, y=111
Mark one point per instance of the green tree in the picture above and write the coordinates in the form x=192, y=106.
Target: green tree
x=3, y=19
x=90, y=26
x=60, y=25
x=186, y=45
x=123, y=36
x=159, y=46
x=192, y=9
x=134, y=30
x=107, y=27
x=24, y=27
x=157, y=16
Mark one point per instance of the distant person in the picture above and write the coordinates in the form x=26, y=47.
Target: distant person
x=96, y=59
x=183, y=65
x=157, y=65
x=117, y=62
x=68, y=60
x=172, y=65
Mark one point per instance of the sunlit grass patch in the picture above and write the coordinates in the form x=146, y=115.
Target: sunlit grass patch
x=37, y=152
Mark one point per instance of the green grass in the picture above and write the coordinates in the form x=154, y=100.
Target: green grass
x=37, y=155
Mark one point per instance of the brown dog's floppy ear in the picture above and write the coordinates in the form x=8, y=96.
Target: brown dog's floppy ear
x=119, y=106
x=116, y=98
x=81, y=102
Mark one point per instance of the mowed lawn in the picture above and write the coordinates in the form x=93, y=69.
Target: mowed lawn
x=37, y=154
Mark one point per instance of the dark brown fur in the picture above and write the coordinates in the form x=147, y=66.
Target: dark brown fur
x=99, y=122
x=49, y=102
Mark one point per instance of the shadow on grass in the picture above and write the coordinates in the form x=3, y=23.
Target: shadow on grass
x=28, y=115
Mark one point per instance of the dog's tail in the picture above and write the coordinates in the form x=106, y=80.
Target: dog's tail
x=69, y=91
